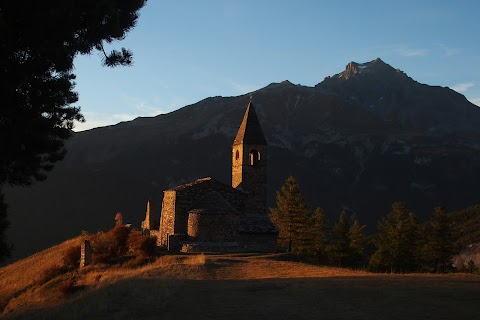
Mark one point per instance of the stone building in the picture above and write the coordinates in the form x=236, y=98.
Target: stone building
x=209, y=216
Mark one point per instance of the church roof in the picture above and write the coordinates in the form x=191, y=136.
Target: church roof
x=250, y=131
x=205, y=183
x=194, y=183
x=213, y=204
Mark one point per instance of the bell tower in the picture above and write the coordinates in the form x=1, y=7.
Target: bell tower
x=249, y=162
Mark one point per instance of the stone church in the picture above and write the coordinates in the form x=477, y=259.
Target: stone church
x=207, y=215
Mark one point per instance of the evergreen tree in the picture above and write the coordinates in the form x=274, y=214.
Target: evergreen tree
x=438, y=249
x=39, y=41
x=319, y=235
x=340, y=246
x=397, y=241
x=357, y=238
x=292, y=218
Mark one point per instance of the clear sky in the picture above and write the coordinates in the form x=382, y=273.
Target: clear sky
x=188, y=50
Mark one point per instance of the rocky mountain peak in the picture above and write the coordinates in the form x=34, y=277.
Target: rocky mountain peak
x=393, y=96
x=279, y=85
x=354, y=68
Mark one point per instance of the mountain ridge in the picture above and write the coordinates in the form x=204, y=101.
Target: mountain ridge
x=394, y=96
x=344, y=155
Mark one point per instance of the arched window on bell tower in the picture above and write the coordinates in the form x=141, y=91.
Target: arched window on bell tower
x=254, y=157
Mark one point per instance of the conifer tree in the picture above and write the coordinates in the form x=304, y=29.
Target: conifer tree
x=397, y=241
x=438, y=250
x=357, y=238
x=340, y=247
x=319, y=235
x=292, y=218
x=38, y=44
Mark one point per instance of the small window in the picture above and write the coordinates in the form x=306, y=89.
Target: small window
x=237, y=155
x=254, y=157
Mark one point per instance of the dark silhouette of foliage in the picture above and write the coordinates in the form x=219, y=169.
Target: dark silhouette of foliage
x=39, y=41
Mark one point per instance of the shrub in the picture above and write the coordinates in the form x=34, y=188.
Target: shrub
x=109, y=246
x=71, y=257
x=102, y=243
x=120, y=236
x=134, y=242
x=148, y=246
x=139, y=244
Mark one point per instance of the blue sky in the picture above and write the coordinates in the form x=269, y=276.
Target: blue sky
x=185, y=51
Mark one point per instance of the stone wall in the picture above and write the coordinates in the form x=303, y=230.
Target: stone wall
x=148, y=222
x=86, y=252
x=167, y=218
x=216, y=228
x=237, y=163
x=176, y=202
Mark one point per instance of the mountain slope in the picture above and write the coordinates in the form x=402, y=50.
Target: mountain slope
x=344, y=156
x=392, y=95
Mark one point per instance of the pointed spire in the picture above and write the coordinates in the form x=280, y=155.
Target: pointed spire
x=148, y=222
x=250, y=131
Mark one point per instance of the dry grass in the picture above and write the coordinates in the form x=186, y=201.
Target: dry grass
x=234, y=286
x=18, y=278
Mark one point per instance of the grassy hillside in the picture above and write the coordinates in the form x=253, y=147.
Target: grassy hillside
x=231, y=286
